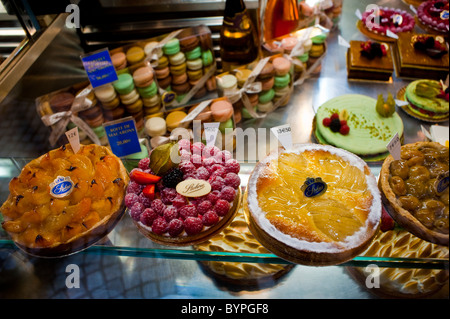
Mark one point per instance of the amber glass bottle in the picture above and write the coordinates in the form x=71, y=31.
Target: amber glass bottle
x=239, y=43
x=281, y=17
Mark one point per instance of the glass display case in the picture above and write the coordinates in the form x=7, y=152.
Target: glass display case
x=126, y=264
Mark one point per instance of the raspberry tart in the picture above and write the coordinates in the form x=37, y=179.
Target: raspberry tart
x=434, y=15
x=386, y=19
x=63, y=202
x=415, y=190
x=327, y=221
x=161, y=207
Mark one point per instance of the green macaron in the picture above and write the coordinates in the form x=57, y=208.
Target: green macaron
x=148, y=91
x=266, y=96
x=194, y=54
x=124, y=84
x=172, y=47
x=207, y=57
x=282, y=81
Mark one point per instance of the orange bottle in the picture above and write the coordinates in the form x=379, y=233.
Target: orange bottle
x=281, y=17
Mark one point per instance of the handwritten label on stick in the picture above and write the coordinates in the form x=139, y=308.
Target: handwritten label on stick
x=284, y=135
x=211, y=130
x=74, y=139
x=394, y=147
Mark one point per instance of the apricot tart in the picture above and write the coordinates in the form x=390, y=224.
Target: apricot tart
x=415, y=190
x=329, y=220
x=63, y=201
x=185, y=198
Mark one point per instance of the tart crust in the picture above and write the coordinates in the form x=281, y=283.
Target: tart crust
x=402, y=216
x=303, y=251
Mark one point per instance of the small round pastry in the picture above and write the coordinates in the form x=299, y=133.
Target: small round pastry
x=117, y=113
x=282, y=81
x=111, y=105
x=289, y=43
x=317, y=50
x=177, y=70
x=282, y=66
x=206, y=41
x=164, y=83
x=265, y=107
x=415, y=190
x=172, y=47
x=135, y=55
x=181, y=88
x=179, y=79
x=221, y=110
x=268, y=84
x=151, y=47
x=282, y=93
x=194, y=54
x=201, y=92
x=130, y=98
x=266, y=96
x=61, y=102
x=211, y=84
x=149, y=91
x=162, y=73
x=267, y=72
x=207, y=58
x=195, y=75
x=91, y=113
x=143, y=76
x=329, y=220
x=189, y=43
x=253, y=98
x=163, y=62
x=151, y=110
x=174, y=118
x=119, y=60
x=228, y=124
x=124, y=84
x=237, y=238
x=105, y=93
x=194, y=64
x=177, y=59
x=204, y=116
x=99, y=131
x=152, y=101
x=228, y=83
x=155, y=126
x=77, y=199
x=246, y=114
x=135, y=107
x=242, y=76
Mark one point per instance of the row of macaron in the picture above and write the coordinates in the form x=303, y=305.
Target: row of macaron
x=275, y=78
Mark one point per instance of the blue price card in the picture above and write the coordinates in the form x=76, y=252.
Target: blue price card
x=99, y=68
x=122, y=136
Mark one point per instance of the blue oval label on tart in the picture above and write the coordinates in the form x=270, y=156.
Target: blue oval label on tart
x=442, y=183
x=444, y=15
x=314, y=187
x=61, y=187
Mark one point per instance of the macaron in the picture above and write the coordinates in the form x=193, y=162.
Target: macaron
x=179, y=79
x=162, y=62
x=124, y=84
x=282, y=65
x=316, y=50
x=119, y=60
x=164, y=83
x=152, y=48
x=99, y=131
x=162, y=73
x=266, y=96
x=117, y=113
x=246, y=114
x=195, y=75
x=201, y=92
x=228, y=124
x=207, y=57
x=227, y=83
x=289, y=43
x=135, y=107
x=178, y=69
x=152, y=101
x=268, y=71
x=204, y=116
x=152, y=110
x=181, y=88
x=221, y=110
x=284, y=94
x=177, y=58
x=253, y=98
x=194, y=64
x=189, y=43
x=61, y=102
x=96, y=121
x=268, y=84
x=282, y=81
x=148, y=91
x=172, y=47
x=242, y=76
x=265, y=107
x=205, y=40
x=174, y=118
x=111, y=105
x=143, y=76
x=105, y=93
x=91, y=113
x=135, y=54
x=129, y=98
x=211, y=84
x=196, y=53
x=155, y=126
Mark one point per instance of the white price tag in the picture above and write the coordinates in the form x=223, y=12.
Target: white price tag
x=413, y=9
x=358, y=14
x=284, y=135
x=211, y=130
x=401, y=103
x=391, y=34
x=343, y=42
x=74, y=139
x=394, y=147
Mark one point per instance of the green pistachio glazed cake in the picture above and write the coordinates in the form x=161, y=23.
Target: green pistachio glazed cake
x=425, y=99
x=369, y=132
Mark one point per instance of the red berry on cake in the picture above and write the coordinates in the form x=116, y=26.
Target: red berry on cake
x=326, y=122
x=345, y=129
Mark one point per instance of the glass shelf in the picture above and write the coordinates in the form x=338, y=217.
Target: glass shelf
x=125, y=239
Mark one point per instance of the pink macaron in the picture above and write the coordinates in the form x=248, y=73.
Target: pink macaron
x=162, y=73
x=221, y=110
x=282, y=66
x=143, y=76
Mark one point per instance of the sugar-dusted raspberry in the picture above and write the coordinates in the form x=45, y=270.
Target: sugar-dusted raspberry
x=197, y=148
x=179, y=201
x=226, y=155
x=143, y=163
x=213, y=196
x=210, y=218
x=233, y=180
x=227, y=193
x=188, y=211
x=202, y=173
x=170, y=213
x=211, y=151
x=222, y=207
x=159, y=225
x=196, y=160
x=232, y=166
x=210, y=161
x=217, y=183
x=131, y=199
x=222, y=172
x=136, y=210
x=204, y=206
x=185, y=156
x=148, y=216
x=168, y=194
x=158, y=206
x=187, y=167
x=145, y=200
x=184, y=144
x=193, y=225
x=175, y=227
x=134, y=188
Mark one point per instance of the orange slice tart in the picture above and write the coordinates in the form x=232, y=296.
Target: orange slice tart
x=313, y=204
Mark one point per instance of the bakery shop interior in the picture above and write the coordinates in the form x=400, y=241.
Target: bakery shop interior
x=221, y=149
